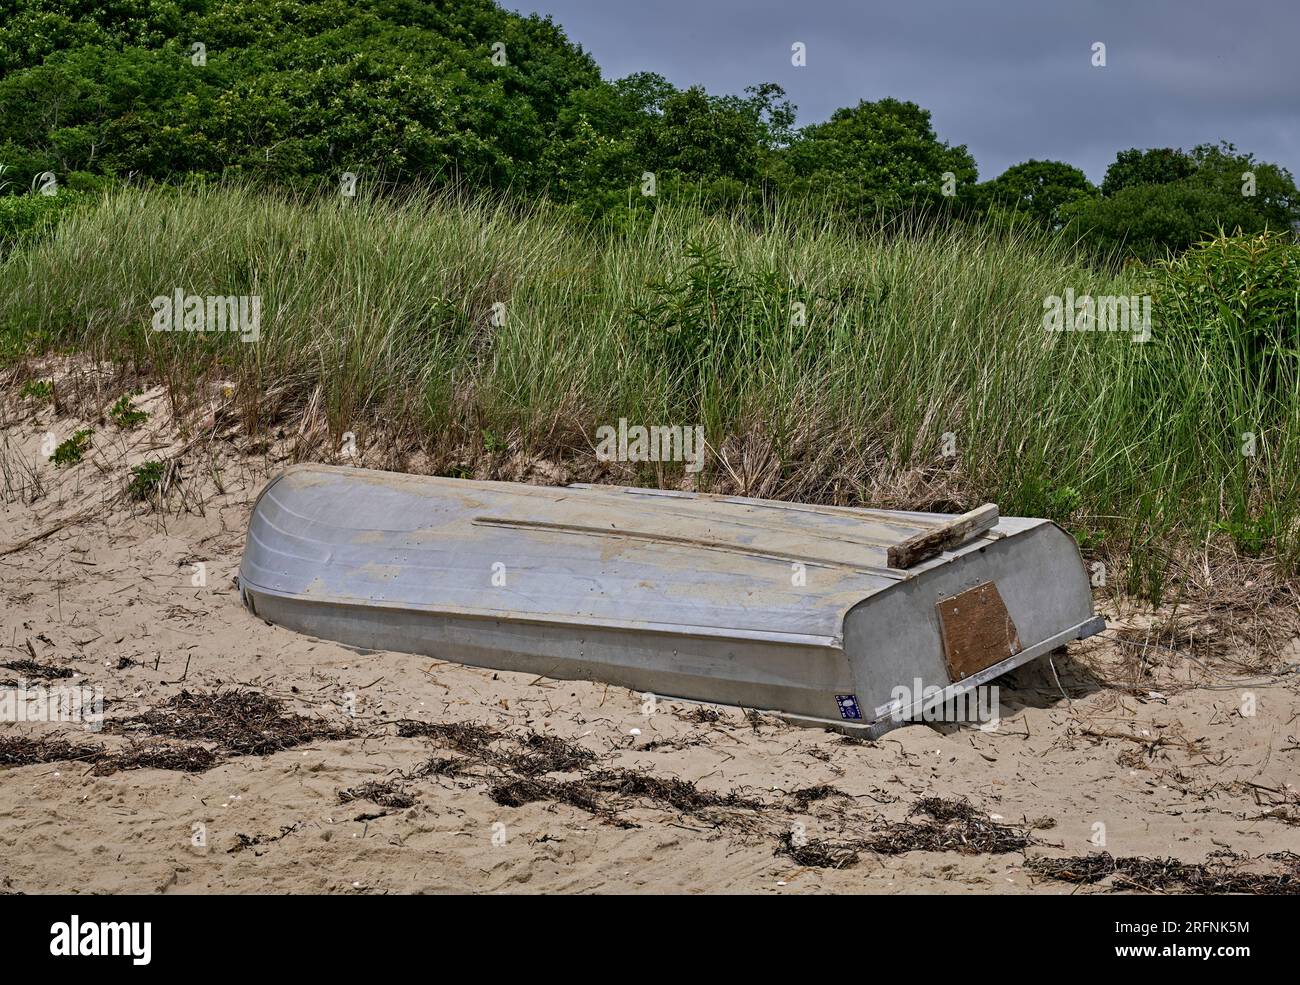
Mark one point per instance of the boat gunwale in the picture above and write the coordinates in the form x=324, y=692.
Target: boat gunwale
x=599, y=622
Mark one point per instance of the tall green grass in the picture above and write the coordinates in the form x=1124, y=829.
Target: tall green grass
x=917, y=341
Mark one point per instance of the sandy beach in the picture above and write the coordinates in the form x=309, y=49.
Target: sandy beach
x=239, y=757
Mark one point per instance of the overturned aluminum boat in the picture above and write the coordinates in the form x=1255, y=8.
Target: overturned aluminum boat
x=819, y=613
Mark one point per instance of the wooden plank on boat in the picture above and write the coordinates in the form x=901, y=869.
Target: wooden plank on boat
x=958, y=530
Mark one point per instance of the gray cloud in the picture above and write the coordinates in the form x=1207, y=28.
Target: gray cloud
x=1011, y=80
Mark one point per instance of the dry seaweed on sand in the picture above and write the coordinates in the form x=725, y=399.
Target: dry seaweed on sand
x=535, y=755
x=18, y=750
x=1286, y=813
x=1220, y=873
x=702, y=715
x=387, y=793
x=38, y=671
x=240, y=722
x=522, y=772
x=681, y=795
x=243, y=841
x=934, y=824
x=808, y=795
x=516, y=792
x=22, y=751
x=945, y=810
x=856, y=740
x=190, y=758
x=947, y=825
x=547, y=754
x=466, y=737
x=597, y=793
x=440, y=766
x=819, y=853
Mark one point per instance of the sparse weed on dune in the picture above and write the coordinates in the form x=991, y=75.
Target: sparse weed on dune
x=902, y=365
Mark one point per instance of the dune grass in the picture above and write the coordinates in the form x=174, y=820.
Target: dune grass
x=916, y=373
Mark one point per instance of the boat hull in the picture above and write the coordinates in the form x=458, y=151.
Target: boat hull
x=698, y=598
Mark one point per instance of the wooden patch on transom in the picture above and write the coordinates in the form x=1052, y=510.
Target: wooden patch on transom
x=977, y=630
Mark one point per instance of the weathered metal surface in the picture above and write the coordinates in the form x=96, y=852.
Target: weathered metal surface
x=784, y=607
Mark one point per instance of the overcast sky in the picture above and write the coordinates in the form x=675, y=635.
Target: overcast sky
x=1010, y=79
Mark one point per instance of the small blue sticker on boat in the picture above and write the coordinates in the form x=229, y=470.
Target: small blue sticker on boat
x=848, y=706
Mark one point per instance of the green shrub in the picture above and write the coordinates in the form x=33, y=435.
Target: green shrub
x=145, y=479
x=24, y=217
x=1249, y=534
x=124, y=415
x=1226, y=349
x=714, y=316
x=1241, y=296
x=70, y=452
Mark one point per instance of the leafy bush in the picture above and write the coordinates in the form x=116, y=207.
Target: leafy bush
x=1241, y=296
x=37, y=389
x=1226, y=341
x=1154, y=166
x=145, y=479
x=25, y=217
x=71, y=451
x=298, y=92
x=1162, y=201
x=1249, y=534
x=1041, y=189
x=126, y=416
x=287, y=90
x=885, y=151
x=715, y=316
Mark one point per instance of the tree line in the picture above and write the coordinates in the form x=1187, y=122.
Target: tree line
x=461, y=91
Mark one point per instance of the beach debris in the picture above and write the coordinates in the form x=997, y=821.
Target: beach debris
x=388, y=793
x=1222, y=872
x=19, y=750
x=33, y=670
x=184, y=758
x=239, y=722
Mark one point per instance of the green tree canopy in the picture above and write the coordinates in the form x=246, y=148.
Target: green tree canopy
x=1157, y=166
x=299, y=91
x=1164, y=200
x=289, y=90
x=1039, y=188
x=882, y=153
